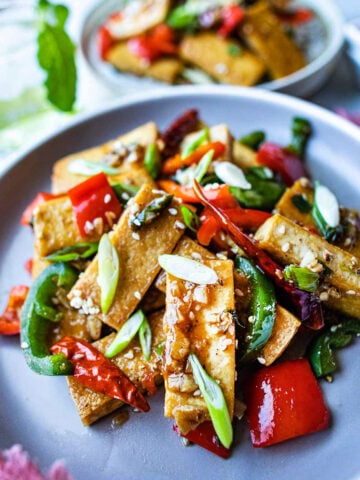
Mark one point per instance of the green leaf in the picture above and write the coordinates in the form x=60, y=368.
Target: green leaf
x=191, y=220
x=109, y=272
x=78, y=251
x=301, y=132
x=152, y=161
x=303, y=278
x=125, y=334
x=87, y=168
x=145, y=338
x=56, y=56
x=215, y=401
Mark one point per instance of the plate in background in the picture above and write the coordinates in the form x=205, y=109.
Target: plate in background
x=306, y=81
x=38, y=411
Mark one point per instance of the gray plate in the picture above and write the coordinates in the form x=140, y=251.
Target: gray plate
x=38, y=411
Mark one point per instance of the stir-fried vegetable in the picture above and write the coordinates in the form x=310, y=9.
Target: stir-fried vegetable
x=150, y=212
x=79, y=251
x=109, y=272
x=10, y=319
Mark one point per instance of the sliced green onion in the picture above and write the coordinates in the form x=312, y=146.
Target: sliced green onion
x=78, y=251
x=232, y=175
x=88, y=168
x=200, y=139
x=253, y=140
x=234, y=50
x=152, y=161
x=145, y=338
x=188, y=269
x=303, y=278
x=203, y=166
x=215, y=401
x=109, y=272
x=124, y=192
x=125, y=334
x=191, y=220
x=301, y=203
x=160, y=348
x=326, y=212
x=181, y=17
x=263, y=173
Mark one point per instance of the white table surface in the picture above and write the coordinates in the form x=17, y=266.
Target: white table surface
x=340, y=91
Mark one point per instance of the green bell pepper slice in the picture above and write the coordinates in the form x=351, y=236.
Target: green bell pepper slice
x=37, y=315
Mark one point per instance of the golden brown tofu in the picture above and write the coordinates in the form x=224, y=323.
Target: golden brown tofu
x=165, y=69
x=75, y=324
x=243, y=156
x=153, y=300
x=303, y=187
x=289, y=243
x=62, y=179
x=138, y=255
x=144, y=374
x=38, y=265
x=263, y=33
x=212, y=54
x=285, y=328
x=218, y=133
x=198, y=320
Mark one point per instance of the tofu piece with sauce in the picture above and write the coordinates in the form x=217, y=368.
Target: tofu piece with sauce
x=138, y=256
x=144, y=135
x=211, y=53
x=165, y=69
x=198, y=320
x=289, y=243
x=264, y=35
x=144, y=374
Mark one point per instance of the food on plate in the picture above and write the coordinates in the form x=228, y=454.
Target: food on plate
x=234, y=42
x=190, y=256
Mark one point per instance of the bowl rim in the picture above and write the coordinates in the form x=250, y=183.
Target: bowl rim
x=299, y=106
x=327, y=10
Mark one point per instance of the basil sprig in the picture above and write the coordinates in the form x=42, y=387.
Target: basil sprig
x=215, y=401
x=56, y=55
x=78, y=251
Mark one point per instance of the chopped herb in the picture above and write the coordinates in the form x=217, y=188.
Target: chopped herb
x=253, y=140
x=301, y=203
x=78, y=251
x=150, y=212
x=145, y=338
x=191, y=219
x=303, y=278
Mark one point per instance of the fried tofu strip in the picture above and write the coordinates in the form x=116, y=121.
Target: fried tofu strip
x=264, y=34
x=144, y=374
x=198, y=320
x=286, y=325
x=243, y=156
x=138, y=255
x=289, y=243
x=212, y=54
x=286, y=207
x=164, y=69
x=62, y=179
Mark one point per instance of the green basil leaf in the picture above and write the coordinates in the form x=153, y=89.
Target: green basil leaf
x=125, y=334
x=215, y=401
x=145, y=338
x=109, y=272
x=78, y=251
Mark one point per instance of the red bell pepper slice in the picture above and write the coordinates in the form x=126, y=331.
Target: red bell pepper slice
x=284, y=401
x=232, y=16
x=205, y=436
x=307, y=305
x=94, y=198
x=40, y=198
x=299, y=16
x=171, y=165
x=282, y=161
x=94, y=371
x=29, y=264
x=104, y=41
x=242, y=217
x=10, y=319
x=152, y=45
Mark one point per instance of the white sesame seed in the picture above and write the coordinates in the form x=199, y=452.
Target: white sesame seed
x=129, y=355
x=135, y=236
x=285, y=247
x=76, y=302
x=324, y=296
x=196, y=256
x=347, y=242
x=172, y=211
x=281, y=230
x=179, y=225
x=221, y=68
x=155, y=191
x=88, y=227
x=191, y=315
x=137, y=295
x=261, y=360
x=125, y=196
x=251, y=319
x=107, y=198
x=351, y=292
x=24, y=345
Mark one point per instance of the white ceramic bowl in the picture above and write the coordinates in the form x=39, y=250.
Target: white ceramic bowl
x=302, y=83
x=38, y=412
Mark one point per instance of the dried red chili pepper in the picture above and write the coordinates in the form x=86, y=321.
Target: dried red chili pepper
x=178, y=129
x=94, y=371
x=10, y=319
x=307, y=305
